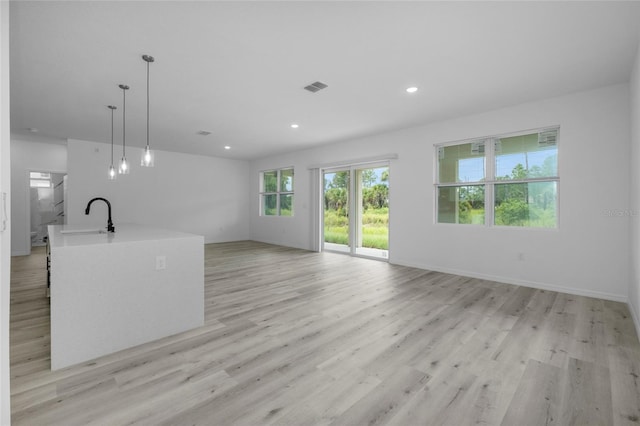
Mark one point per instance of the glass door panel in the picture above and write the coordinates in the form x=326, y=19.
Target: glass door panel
x=336, y=210
x=372, y=212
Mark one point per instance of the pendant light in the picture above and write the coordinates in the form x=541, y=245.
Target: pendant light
x=112, y=170
x=124, y=166
x=147, y=154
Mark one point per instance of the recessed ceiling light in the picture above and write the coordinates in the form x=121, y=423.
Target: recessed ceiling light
x=227, y=147
x=412, y=89
x=294, y=126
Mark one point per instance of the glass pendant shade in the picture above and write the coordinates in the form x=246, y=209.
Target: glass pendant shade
x=124, y=167
x=147, y=157
x=112, y=173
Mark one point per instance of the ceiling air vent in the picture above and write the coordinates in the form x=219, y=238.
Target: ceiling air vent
x=203, y=133
x=315, y=87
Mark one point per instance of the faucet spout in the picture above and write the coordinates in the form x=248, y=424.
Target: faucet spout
x=110, y=227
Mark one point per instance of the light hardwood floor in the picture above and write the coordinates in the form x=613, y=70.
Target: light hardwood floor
x=300, y=338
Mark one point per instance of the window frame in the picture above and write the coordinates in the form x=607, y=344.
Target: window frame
x=278, y=193
x=490, y=181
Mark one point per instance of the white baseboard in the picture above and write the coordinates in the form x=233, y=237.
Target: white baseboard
x=20, y=253
x=524, y=283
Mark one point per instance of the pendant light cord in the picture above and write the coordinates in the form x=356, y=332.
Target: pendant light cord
x=111, y=135
x=124, y=94
x=147, y=104
x=112, y=108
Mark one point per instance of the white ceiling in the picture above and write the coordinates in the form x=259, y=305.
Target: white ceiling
x=237, y=69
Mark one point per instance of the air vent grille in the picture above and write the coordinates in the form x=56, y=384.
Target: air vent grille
x=315, y=87
x=203, y=133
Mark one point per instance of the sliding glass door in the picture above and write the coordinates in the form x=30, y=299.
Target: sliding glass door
x=356, y=210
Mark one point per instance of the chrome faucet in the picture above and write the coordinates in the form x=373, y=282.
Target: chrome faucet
x=110, y=227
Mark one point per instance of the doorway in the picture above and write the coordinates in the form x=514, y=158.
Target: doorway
x=47, y=192
x=356, y=210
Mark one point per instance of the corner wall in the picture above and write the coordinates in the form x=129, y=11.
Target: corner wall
x=634, y=195
x=587, y=255
x=189, y=193
x=5, y=234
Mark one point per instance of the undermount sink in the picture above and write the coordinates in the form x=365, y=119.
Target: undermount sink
x=82, y=231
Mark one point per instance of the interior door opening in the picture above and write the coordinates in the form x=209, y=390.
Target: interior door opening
x=47, y=192
x=356, y=210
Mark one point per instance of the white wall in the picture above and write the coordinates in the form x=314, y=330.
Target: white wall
x=586, y=255
x=201, y=195
x=5, y=235
x=634, y=282
x=29, y=156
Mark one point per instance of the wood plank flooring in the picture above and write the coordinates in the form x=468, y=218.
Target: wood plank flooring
x=299, y=338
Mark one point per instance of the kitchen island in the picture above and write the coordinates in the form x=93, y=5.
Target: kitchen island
x=112, y=291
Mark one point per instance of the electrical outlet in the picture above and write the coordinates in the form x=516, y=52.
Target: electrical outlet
x=161, y=262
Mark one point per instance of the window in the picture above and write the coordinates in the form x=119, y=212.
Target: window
x=276, y=192
x=504, y=180
x=39, y=180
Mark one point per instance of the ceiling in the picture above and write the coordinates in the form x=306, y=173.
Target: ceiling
x=237, y=69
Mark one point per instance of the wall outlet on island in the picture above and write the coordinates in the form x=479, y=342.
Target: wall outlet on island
x=161, y=262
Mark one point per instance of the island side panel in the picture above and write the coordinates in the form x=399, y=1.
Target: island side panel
x=109, y=297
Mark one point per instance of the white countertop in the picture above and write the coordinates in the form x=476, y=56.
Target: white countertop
x=74, y=236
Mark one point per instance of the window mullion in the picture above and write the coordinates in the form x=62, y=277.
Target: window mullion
x=278, y=177
x=490, y=171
